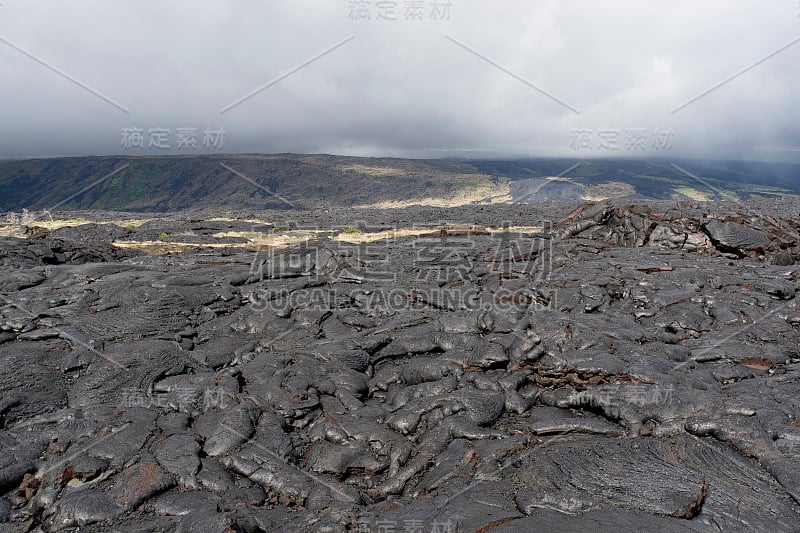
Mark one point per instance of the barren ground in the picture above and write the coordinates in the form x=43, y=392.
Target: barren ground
x=495, y=368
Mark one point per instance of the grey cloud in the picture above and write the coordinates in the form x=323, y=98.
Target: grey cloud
x=402, y=87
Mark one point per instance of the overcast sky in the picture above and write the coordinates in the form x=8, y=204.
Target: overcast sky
x=477, y=78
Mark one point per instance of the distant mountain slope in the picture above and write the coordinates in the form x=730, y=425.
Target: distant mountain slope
x=239, y=181
x=286, y=181
x=700, y=180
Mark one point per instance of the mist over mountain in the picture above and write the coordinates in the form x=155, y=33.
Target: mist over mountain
x=570, y=78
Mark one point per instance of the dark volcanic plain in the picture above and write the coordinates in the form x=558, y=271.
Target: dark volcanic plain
x=498, y=368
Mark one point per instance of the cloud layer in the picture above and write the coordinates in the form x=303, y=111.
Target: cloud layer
x=544, y=78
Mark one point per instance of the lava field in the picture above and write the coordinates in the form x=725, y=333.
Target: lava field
x=613, y=367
